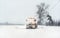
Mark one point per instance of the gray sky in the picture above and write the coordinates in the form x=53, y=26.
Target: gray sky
x=16, y=11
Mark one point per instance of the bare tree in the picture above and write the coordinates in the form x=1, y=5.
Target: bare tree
x=43, y=14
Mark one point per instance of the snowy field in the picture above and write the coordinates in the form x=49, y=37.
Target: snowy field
x=16, y=31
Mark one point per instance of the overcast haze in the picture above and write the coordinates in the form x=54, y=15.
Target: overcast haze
x=16, y=11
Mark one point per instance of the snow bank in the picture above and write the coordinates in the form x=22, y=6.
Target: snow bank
x=17, y=31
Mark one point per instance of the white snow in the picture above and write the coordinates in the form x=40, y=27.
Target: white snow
x=16, y=31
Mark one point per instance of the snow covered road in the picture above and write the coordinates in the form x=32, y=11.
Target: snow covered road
x=17, y=31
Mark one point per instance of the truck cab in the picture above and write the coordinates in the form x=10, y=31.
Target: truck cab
x=31, y=23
